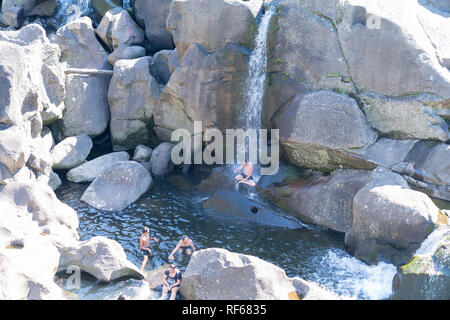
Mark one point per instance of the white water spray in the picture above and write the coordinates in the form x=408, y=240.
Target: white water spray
x=71, y=10
x=430, y=244
x=254, y=84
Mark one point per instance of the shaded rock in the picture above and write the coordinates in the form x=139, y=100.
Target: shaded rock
x=126, y=52
x=238, y=208
x=133, y=94
x=160, y=66
x=220, y=178
x=54, y=181
x=259, y=279
x=425, y=277
x=142, y=153
x=71, y=152
x=118, y=186
x=86, y=102
x=404, y=118
x=90, y=170
x=212, y=33
x=325, y=130
x=117, y=28
x=436, y=168
x=206, y=87
x=389, y=219
x=152, y=15
x=326, y=201
x=44, y=9
x=101, y=257
x=13, y=16
x=101, y=7
x=160, y=160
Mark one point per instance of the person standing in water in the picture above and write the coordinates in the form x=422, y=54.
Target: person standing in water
x=144, y=245
x=171, y=282
x=185, y=245
x=246, y=177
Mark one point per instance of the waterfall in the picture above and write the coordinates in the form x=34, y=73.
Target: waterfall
x=71, y=10
x=254, y=84
x=430, y=244
x=127, y=4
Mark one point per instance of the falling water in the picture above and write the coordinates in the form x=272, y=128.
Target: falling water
x=254, y=85
x=127, y=4
x=430, y=244
x=71, y=10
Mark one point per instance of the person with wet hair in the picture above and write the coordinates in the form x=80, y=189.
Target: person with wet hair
x=185, y=246
x=171, y=282
x=144, y=245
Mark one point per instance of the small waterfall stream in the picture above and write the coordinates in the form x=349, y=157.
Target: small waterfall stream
x=71, y=10
x=255, y=83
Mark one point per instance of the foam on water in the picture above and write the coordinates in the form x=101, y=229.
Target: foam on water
x=356, y=279
x=429, y=245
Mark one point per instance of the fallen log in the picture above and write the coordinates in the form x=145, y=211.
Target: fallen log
x=91, y=72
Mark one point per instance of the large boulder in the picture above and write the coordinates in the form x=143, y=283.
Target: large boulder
x=325, y=130
x=152, y=15
x=243, y=277
x=161, y=159
x=86, y=100
x=389, y=219
x=389, y=51
x=426, y=276
x=117, y=29
x=32, y=77
x=404, y=118
x=133, y=94
x=206, y=87
x=101, y=257
x=118, y=186
x=326, y=201
x=220, y=178
x=388, y=152
x=90, y=170
x=229, y=21
x=436, y=167
x=71, y=152
x=235, y=207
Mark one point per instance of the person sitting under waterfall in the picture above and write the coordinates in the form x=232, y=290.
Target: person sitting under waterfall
x=246, y=177
x=171, y=282
x=144, y=245
x=185, y=246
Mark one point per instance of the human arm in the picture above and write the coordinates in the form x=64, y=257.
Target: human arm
x=238, y=169
x=174, y=250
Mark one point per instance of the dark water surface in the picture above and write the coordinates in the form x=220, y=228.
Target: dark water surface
x=171, y=210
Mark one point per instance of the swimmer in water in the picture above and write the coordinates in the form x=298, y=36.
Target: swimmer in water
x=144, y=245
x=185, y=245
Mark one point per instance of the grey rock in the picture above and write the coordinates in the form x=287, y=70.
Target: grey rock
x=206, y=87
x=101, y=257
x=388, y=152
x=142, y=153
x=404, y=118
x=212, y=33
x=389, y=219
x=71, y=152
x=14, y=148
x=126, y=52
x=326, y=201
x=13, y=16
x=220, y=178
x=425, y=277
x=160, y=66
x=152, y=15
x=259, y=279
x=90, y=170
x=86, y=100
x=133, y=94
x=233, y=206
x=160, y=160
x=436, y=168
x=118, y=186
x=117, y=29
x=325, y=130
x=54, y=181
